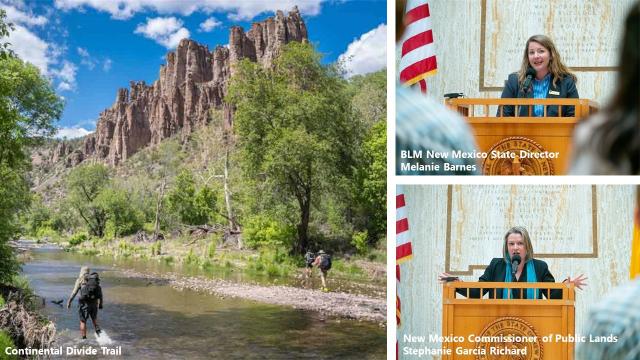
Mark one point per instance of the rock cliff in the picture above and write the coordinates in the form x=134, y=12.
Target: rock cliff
x=193, y=81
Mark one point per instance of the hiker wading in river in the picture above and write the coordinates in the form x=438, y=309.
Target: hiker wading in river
x=89, y=301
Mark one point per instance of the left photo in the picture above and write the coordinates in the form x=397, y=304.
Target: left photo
x=194, y=179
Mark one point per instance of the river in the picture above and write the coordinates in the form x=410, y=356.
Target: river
x=149, y=320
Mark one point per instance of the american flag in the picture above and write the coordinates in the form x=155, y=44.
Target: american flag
x=418, y=59
x=403, y=246
x=403, y=243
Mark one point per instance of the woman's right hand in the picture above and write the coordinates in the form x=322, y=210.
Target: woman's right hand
x=443, y=277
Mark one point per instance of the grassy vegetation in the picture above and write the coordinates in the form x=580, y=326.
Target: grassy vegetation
x=6, y=342
x=203, y=255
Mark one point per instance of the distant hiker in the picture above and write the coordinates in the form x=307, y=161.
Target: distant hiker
x=309, y=258
x=323, y=261
x=90, y=299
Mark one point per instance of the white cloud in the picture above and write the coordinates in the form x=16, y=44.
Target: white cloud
x=86, y=59
x=65, y=86
x=71, y=132
x=367, y=54
x=17, y=16
x=238, y=10
x=106, y=66
x=31, y=48
x=67, y=76
x=247, y=10
x=210, y=24
x=165, y=31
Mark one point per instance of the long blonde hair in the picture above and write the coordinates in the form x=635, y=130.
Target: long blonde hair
x=557, y=69
x=527, y=242
x=84, y=271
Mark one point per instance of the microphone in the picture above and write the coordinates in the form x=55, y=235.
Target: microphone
x=453, y=95
x=527, y=81
x=515, y=261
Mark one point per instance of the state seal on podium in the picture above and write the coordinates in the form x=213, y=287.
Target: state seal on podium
x=509, y=338
x=518, y=155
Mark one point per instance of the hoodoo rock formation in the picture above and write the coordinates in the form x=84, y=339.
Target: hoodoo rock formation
x=193, y=81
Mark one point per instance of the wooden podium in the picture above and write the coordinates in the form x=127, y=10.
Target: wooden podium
x=518, y=325
x=543, y=135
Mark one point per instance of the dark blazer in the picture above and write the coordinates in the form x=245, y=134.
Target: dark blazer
x=566, y=87
x=496, y=271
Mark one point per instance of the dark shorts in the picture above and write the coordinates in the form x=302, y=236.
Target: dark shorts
x=310, y=265
x=88, y=309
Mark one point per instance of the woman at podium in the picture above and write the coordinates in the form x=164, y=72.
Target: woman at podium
x=542, y=75
x=517, y=265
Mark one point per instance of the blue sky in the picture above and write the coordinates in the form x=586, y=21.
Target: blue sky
x=90, y=48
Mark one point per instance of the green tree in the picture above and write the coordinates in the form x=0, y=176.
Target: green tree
x=84, y=185
x=28, y=108
x=121, y=215
x=295, y=128
x=5, y=28
x=37, y=216
x=194, y=206
x=14, y=198
x=371, y=188
x=369, y=97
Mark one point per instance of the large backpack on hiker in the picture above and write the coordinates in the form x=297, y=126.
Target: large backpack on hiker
x=309, y=257
x=325, y=262
x=90, y=289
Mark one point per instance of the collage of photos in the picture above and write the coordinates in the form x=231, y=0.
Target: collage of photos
x=193, y=179
x=495, y=267
x=219, y=179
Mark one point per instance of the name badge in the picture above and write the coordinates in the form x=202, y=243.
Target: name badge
x=551, y=92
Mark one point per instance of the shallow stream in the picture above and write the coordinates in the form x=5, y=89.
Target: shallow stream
x=149, y=320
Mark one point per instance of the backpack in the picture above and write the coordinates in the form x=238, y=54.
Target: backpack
x=90, y=289
x=309, y=257
x=325, y=262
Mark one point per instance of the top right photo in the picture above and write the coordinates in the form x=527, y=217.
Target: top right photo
x=509, y=87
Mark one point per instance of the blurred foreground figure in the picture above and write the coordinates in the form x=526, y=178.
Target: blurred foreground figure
x=615, y=323
x=608, y=143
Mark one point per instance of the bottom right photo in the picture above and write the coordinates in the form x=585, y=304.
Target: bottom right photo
x=518, y=272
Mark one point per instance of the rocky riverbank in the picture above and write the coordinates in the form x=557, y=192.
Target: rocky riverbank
x=336, y=304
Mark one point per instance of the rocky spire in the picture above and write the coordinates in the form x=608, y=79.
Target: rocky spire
x=193, y=81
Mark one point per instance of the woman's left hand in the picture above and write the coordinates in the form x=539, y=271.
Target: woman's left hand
x=579, y=281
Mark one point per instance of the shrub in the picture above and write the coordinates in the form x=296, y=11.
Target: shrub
x=272, y=262
x=191, y=258
x=23, y=284
x=261, y=231
x=47, y=232
x=78, y=238
x=359, y=241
